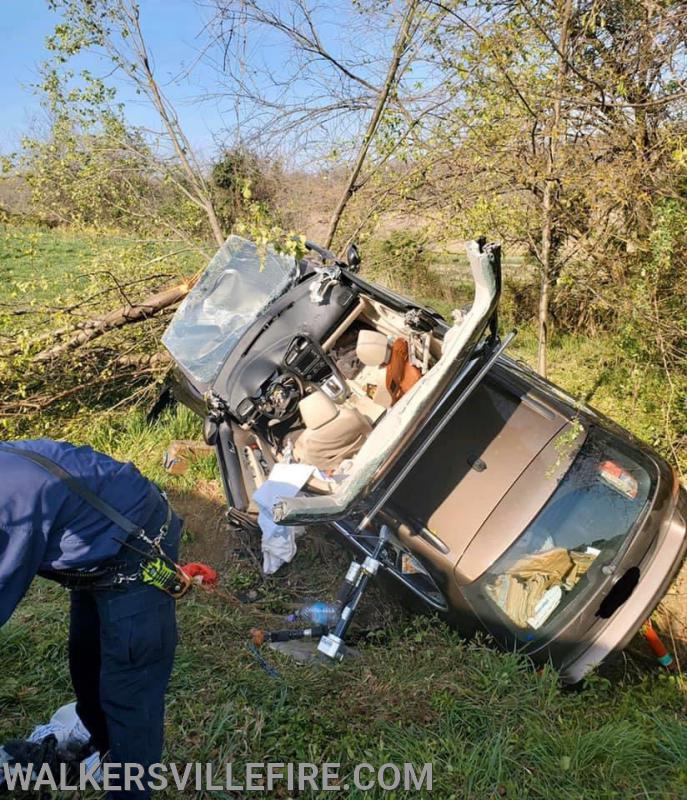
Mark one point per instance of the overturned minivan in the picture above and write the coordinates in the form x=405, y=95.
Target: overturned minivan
x=488, y=493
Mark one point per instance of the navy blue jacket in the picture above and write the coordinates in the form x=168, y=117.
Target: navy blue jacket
x=44, y=525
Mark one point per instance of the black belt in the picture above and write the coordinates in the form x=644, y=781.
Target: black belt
x=112, y=575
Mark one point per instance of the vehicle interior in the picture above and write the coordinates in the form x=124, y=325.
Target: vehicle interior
x=336, y=376
x=329, y=392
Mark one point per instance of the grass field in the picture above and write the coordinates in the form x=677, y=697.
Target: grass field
x=490, y=725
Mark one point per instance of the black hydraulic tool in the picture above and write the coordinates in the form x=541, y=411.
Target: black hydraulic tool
x=331, y=641
x=260, y=636
x=355, y=584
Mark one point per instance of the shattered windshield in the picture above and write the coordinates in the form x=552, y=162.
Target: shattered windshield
x=237, y=286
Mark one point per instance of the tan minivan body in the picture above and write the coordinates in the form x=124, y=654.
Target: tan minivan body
x=489, y=476
x=488, y=493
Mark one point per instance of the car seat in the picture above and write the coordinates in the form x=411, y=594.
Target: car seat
x=372, y=349
x=332, y=433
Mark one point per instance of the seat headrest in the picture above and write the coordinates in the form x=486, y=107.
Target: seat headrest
x=317, y=410
x=372, y=348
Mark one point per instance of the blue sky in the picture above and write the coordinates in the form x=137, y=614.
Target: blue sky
x=171, y=27
x=175, y=32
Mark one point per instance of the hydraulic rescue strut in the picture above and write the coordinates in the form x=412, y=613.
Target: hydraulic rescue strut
x=355, y=583
x=351, y=592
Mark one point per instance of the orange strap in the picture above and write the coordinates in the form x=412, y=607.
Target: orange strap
x=395, y=369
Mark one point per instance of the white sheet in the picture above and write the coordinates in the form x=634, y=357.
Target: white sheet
x=279, y=541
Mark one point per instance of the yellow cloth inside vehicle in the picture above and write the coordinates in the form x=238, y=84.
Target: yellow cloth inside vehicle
x=522, y=586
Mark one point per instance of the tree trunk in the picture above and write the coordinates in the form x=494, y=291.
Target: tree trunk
x=551, y=192
x=399, y=48
x=545, y=287
x=217, y=231
x=168, y=117
x=125, y=315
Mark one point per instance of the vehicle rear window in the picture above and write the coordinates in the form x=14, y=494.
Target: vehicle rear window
x=582, y=527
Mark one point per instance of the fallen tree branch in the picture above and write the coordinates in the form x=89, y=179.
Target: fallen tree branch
x=153, y=360
x=41, y=402
x=124, y=315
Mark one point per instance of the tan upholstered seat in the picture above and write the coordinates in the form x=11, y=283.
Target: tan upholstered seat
x=372, y=348
x=332, y=433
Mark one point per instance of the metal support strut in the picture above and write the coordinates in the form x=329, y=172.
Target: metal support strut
x=356, y=581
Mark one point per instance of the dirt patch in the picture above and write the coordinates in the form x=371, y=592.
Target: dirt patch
x=203, y=510
x=315, y=573
x=318, y=566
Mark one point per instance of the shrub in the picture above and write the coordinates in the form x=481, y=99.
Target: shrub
x=402, y=262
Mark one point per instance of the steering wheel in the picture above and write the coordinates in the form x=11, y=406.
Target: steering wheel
x=282, y=397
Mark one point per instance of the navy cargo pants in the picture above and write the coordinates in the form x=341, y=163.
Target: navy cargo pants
x=121, y=650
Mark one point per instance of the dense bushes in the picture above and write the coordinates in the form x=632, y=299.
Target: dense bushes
x=403, y=262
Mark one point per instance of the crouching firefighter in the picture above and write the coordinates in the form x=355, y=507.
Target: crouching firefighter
x=102, y=530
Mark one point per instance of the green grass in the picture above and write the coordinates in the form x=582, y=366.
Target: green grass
x=56, y=280
x=491, y=726
x=39, y=264
x=629, y=392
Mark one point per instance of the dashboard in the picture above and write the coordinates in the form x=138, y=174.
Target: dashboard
x=281, y=353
